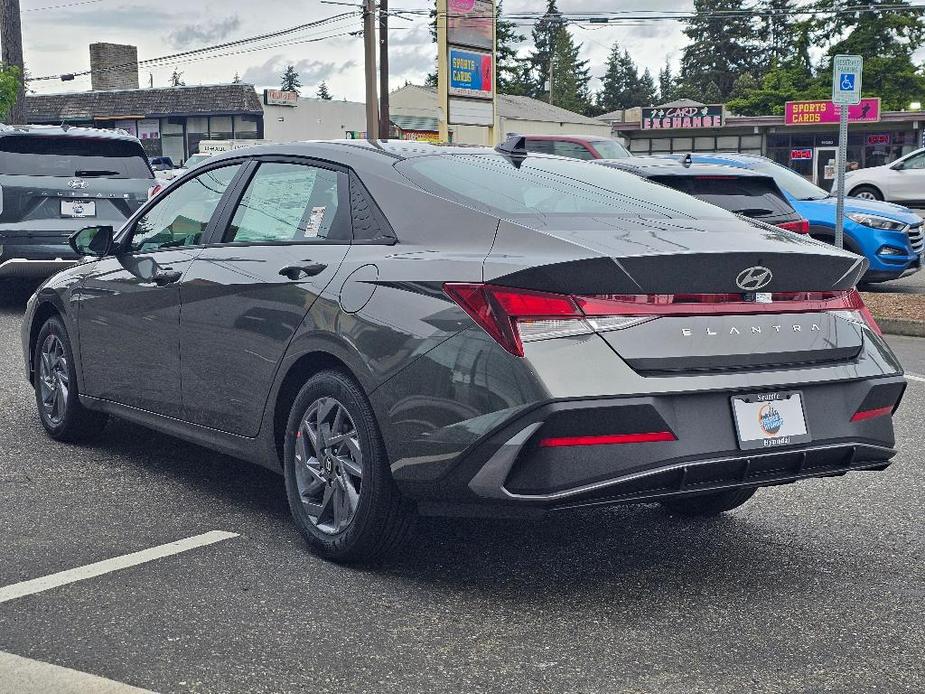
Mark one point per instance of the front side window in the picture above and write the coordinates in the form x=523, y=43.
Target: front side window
x=291, y=203
x=915, y=162
x=182, y=215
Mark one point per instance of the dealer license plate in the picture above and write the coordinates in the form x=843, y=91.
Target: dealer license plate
x=78, y=208
x=767, y=420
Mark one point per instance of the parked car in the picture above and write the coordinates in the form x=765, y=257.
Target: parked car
x=567, y=335
x=902, y=181
x=737, y=190
x=890, y=236
x=162, y=164
x=195, y=160
x=577, y=146
x=56, y=180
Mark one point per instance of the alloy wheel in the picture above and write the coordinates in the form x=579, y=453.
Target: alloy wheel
x=54, y=382
x=328, y=465
x=866, y=195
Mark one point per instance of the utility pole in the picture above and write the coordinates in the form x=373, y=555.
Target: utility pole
x=552, y=56
x=11, y=41
x=385, y=124
x=369, y=49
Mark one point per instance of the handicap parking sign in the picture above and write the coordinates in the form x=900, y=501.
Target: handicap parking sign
x=846, y=79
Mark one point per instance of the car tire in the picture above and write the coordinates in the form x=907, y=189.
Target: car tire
x=866, y=193
x=340, y=488
x=55, y=383
x=711, y=504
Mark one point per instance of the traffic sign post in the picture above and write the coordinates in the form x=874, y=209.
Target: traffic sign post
x=846, y=91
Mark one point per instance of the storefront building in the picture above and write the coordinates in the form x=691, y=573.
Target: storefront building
x=169, y=121
x=805, y=139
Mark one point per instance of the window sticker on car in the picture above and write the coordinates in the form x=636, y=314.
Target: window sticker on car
x=314, y=222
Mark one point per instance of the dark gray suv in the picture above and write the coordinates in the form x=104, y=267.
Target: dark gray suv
x=402, y=329
x=55, y=180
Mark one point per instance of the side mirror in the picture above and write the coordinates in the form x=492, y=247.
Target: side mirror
x=898, y=166
x=92, y=241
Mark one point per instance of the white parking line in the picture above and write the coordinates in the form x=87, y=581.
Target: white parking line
x=915, y=377
x=20, y=675
x=81, y=573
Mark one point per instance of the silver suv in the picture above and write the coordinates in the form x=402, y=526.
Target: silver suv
x=54, y=181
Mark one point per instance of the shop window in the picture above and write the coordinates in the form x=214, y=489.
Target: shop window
x=749, y=143
x=705, y=144
x=640, y=146
x=727, y=143
x=661, y=144
x=682, y=144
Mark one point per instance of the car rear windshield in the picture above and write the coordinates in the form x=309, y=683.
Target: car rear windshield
x=753, y=196
x=48, y=155
x=541, y=188
x=610, y=149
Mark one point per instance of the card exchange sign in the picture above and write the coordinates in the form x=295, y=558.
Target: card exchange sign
x=682, y=117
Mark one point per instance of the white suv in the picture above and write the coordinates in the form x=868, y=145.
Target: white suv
x=902, y=181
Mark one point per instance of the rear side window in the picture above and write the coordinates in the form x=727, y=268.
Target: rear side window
x=541, y=146
x=291, y=202
x=752, y=196
x=84, y=157
x=574, y=150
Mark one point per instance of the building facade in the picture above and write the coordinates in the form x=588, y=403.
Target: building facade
x=169, y=121
x=809, y=149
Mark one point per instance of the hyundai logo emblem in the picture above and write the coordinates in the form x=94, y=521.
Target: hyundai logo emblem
x=77, y=184
x=754, y=278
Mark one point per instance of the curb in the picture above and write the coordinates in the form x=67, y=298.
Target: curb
x=901, y=326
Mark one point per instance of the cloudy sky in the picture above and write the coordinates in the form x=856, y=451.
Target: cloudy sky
x=56, y=35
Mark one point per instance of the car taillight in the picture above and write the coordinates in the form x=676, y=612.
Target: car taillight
x=514, y=316
x=801, y=226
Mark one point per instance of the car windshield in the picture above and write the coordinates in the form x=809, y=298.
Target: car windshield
x=610, y=149
x=196, y=160
x=50, y=155
x=790, y=181
x=541, y=189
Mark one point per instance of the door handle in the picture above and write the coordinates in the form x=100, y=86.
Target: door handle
x=307, y=269
x=166, y=276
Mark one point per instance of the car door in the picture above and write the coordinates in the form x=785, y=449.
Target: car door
x=245, y=295
x=907, y=184
x=129, y=304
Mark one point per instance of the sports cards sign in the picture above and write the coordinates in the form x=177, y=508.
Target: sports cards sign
x=470, y=73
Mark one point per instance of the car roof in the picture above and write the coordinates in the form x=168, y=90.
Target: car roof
x=662, y=166
x=65, y=131
x=567, y=138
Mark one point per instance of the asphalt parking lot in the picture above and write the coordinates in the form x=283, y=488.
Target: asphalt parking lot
x=818, y=586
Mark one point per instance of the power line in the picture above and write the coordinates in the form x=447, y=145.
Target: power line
x=62, y=6
x=153, y=62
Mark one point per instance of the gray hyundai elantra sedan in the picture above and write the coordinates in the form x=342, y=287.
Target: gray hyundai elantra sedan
x=405, y=330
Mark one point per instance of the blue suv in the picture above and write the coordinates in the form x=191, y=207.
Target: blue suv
x=889, y=236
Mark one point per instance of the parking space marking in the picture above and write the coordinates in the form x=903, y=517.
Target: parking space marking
x=914, y=377
x=81, y=573
x=20, y=675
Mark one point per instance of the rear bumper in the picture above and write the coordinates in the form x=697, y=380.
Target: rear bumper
x=33, y=269
x=509, y=473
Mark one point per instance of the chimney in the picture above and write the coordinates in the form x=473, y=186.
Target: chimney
x=113, y=66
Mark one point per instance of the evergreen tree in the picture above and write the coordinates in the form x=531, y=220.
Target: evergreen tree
x=777, y=35
x=647, y=94
x=570, y=74
x=323, y=92
x=723, y=46
x=290, y=80
x=176, y=79
x=613, y=83
x=237, y=78
x=666, y=84
x=711, y=94
x=545, y=33
x=511, y=76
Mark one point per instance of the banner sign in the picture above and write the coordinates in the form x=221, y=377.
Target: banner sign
x=278, y=97
x=797, y=154
x=471, y=23
x=470, y=73
x=826, y=113
x=682, y=117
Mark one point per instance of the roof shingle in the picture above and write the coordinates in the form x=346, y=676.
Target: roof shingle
x=216, y=99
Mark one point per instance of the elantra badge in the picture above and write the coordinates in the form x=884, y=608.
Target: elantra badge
x=77, y=184
x=754, y=278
